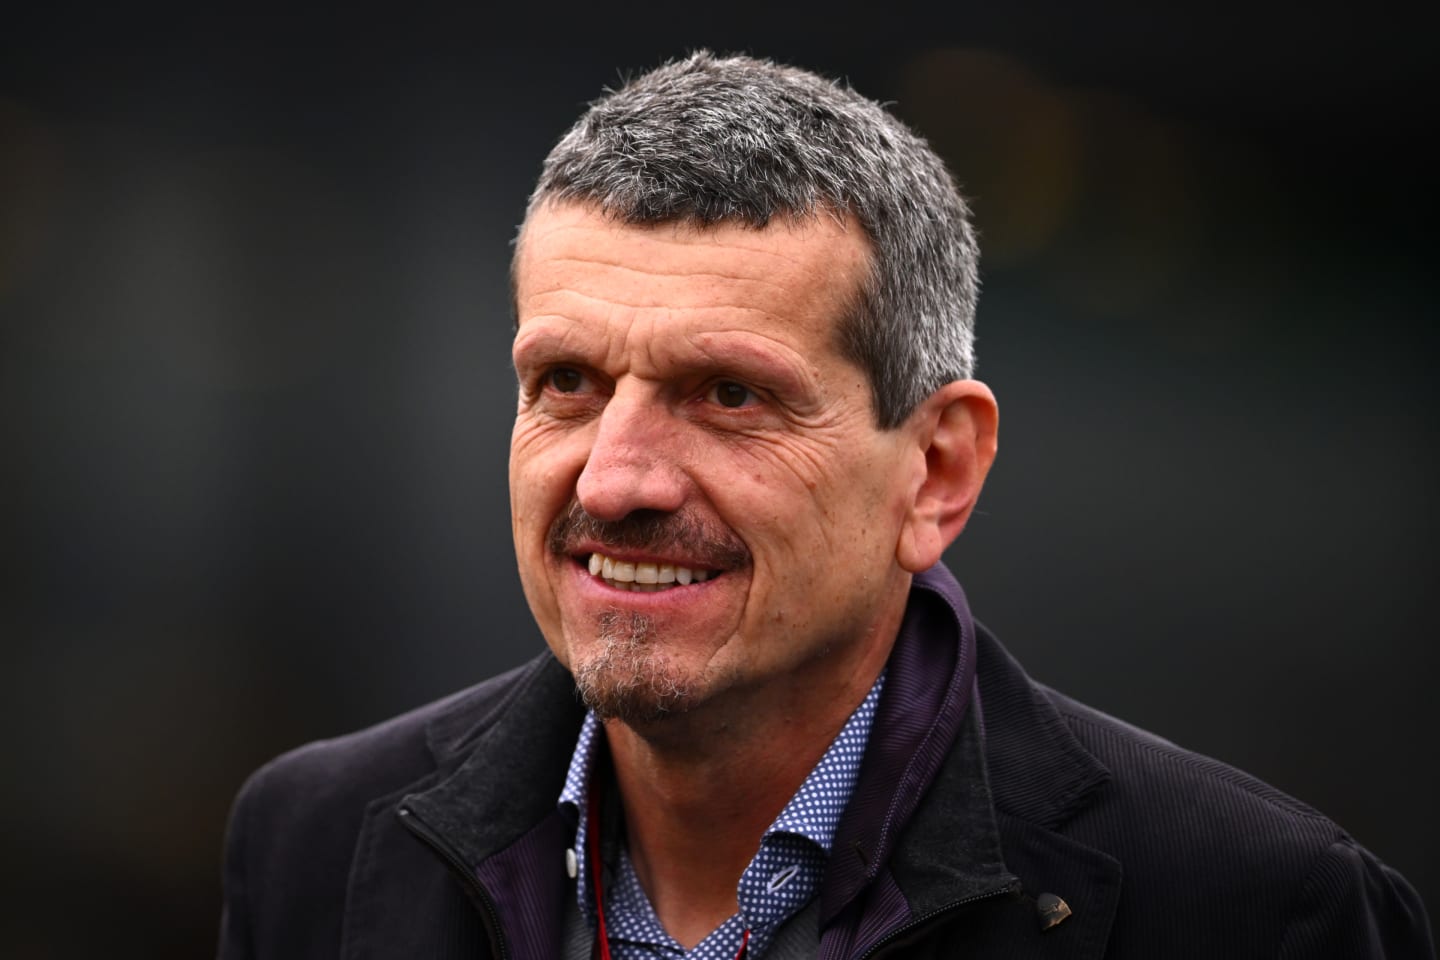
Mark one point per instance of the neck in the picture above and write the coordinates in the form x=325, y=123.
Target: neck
x=699, y=790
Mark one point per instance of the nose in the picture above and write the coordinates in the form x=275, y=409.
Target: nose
x=634, y=462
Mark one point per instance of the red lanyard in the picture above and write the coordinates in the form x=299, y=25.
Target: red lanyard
x=602, y=936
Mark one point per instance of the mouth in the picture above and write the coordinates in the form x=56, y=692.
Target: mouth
x=644, y=577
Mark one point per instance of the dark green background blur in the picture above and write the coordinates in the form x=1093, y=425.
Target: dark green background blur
x=255, y=392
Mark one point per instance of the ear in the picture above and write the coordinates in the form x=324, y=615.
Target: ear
x=956, y=429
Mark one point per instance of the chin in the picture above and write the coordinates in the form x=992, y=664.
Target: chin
x=637, y=691
x=630, y=677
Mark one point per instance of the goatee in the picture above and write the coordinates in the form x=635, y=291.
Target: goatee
x=630, y=679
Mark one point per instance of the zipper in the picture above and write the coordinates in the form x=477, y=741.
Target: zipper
x=462, y=870
x=919, y=922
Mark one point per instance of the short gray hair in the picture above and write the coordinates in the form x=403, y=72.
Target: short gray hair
x=733, y=139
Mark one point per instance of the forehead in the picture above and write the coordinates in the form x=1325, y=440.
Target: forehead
x=797, y=275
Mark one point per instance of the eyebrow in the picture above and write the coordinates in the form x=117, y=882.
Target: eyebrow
x=544, y=342
x=741, y=353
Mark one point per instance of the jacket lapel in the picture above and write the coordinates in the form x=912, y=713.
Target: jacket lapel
x=487, y=819
x=982, y=873
x=983, y=791
x=1040, y=778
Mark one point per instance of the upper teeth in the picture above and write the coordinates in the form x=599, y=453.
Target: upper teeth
x=645, y=576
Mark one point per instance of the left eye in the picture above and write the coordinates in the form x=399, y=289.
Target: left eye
x=730, y=394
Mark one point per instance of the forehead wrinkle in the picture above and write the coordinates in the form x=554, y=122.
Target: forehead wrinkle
x=746, y=300
x=685, y=240
x=701, y=314
x=700, y=282
x=756, y=277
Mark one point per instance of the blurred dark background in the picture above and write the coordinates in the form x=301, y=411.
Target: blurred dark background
x=255, y=395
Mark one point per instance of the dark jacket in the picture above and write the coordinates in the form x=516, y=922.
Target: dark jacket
x=437, y=834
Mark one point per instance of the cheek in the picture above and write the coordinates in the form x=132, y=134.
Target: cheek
x=544, y=464
x=824, y=551
x=780, y=482
x=803, y=497
x=538, y=492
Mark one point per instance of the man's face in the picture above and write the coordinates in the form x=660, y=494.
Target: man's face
x=702, y=504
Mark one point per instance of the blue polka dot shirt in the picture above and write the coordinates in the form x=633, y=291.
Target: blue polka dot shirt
x=783, y=876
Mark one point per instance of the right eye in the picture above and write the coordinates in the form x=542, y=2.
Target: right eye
x=565, y=379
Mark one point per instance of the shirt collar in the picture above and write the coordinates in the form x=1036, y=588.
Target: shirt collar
x=812, y=813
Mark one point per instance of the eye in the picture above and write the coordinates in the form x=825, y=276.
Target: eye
x=728, y=393
x=565, y=379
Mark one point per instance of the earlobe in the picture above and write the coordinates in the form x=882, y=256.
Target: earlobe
x=957, y=427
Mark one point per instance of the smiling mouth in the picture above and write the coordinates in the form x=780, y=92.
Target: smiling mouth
x=645, y=577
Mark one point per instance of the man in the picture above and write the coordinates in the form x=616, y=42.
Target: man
x=746, y=431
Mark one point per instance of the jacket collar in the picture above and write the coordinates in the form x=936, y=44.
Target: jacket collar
x=965, y=749
x=930, y=678
x=502, y=776
x=1036, y=768
x=492, y=813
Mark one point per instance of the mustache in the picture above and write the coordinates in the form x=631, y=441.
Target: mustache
x=654, y=531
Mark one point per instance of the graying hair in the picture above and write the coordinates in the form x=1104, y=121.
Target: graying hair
x=733, y=139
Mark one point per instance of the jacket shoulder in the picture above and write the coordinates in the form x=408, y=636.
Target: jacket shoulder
x=388, y=755
x=1155, y=770
x=1211, y=861
x=1200, y=838
x=293, y=826
x=1055, y=761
